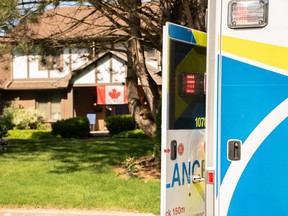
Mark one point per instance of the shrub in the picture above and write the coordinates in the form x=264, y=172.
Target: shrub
x=137, y=133
x=119, y=123
x=30, y=134
x=3, y=127
x=18, y=117
x=71, y=128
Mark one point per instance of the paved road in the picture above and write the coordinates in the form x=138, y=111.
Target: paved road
x=56, y=212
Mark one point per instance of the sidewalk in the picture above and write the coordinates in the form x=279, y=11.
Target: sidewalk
x=100, y=134
x=57, y=212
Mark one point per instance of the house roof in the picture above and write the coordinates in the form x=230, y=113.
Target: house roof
x=73, y=22
x=82, y=22
x=35, y=84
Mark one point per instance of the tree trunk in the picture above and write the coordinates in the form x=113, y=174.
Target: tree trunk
x=144, y=116
x=139, y=113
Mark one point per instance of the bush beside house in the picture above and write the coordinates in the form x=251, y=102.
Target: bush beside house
x=119, y=123
x=3, y=127
x=18, y=117
x=77, y=127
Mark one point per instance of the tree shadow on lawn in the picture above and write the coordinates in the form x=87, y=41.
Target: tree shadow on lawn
x=71, y=155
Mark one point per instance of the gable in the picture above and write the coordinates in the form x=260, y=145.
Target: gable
x=108, y=68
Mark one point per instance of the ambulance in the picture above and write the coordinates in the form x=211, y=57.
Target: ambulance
x=224, y=112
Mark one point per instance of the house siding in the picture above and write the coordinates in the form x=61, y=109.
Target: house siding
x=24, y=99
x=28, y=99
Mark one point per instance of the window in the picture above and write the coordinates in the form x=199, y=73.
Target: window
x=50, y=104
x=111, y=69
x=50, y=59
x=187, y=86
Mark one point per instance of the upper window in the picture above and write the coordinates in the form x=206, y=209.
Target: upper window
x=111, y=69
x=50, y=59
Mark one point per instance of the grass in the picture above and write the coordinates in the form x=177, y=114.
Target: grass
x=63, y=173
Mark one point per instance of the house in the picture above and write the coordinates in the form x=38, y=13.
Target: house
x=63, y=81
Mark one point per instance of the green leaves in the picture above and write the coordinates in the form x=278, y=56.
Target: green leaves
x=8, y=14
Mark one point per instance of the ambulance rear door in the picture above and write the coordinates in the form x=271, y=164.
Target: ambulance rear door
x=183, y=122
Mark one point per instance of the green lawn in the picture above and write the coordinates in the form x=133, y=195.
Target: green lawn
x=60, y=173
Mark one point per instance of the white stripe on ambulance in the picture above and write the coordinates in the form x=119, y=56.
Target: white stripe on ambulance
x=182, y=174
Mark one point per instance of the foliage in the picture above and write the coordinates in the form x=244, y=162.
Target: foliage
x=77, y=127
x=16, y=116
x=29, y=134
x=8, y=14
x=3, y=127
x=72, y=173
x=157, y=139
x=137, y=133
x=119, y=123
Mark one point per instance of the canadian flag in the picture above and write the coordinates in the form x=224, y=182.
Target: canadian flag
x=112, y=95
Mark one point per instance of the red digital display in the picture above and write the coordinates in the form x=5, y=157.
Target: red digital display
x=189, y=83
x=192, y=83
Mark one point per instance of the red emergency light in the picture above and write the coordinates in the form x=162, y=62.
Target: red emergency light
x=191, y=83
x=248, y=14
x=210, y=177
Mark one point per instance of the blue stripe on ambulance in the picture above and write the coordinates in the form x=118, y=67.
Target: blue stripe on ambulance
x=260, y=179
x=243, y=82
x=180, y=33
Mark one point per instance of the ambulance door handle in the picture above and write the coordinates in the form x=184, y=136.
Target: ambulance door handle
x=197, y=179
x=234, y=150
x=173, y=147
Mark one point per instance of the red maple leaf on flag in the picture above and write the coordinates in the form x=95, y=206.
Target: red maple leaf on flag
x=114, y=94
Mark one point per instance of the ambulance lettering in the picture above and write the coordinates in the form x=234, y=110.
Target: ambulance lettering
x=182, y=174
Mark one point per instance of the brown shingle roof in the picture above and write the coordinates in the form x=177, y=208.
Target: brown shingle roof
x=73, y=22
x=36, y=84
